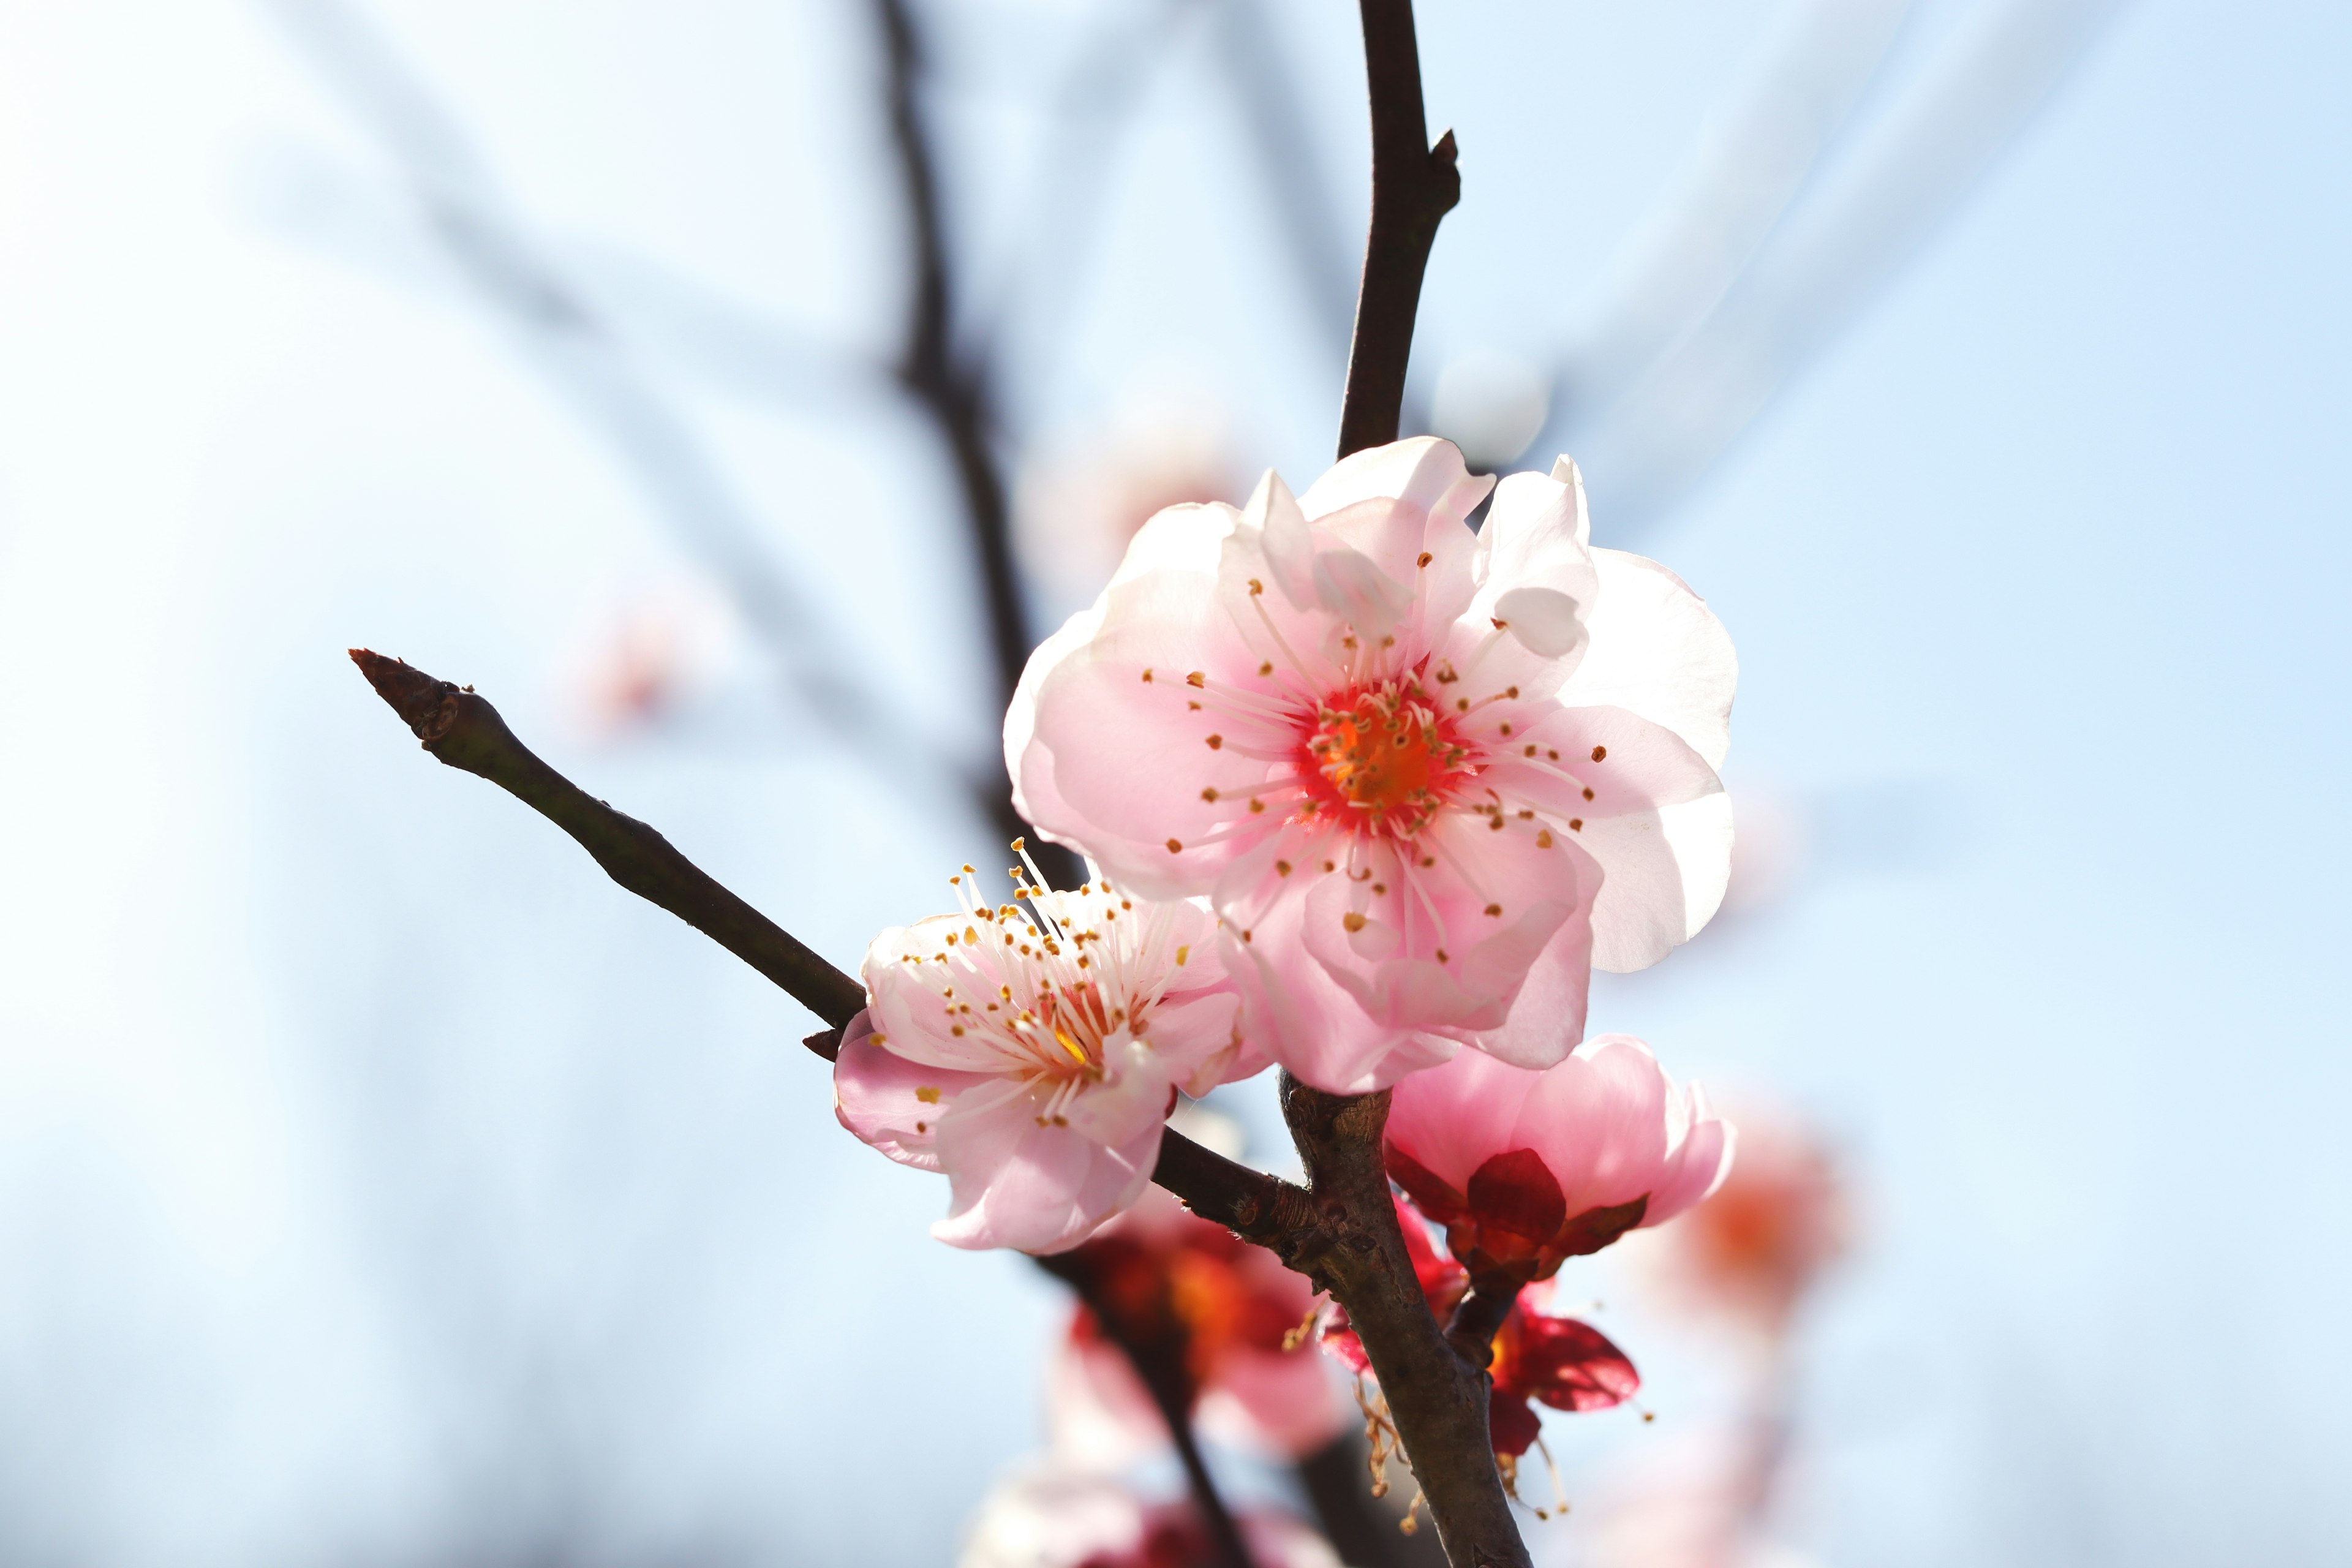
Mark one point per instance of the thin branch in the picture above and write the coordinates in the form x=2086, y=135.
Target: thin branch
x=464, y=731
x=1478, y=1318
x=1414, y=185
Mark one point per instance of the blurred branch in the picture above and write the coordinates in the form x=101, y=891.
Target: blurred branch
x=560, y=329
x=1362, y=1532
x=1266, y=95
x=1414, y=185
x=954, y=388
x=1713, y=374
x=1752, y=159
x=1157, y=1344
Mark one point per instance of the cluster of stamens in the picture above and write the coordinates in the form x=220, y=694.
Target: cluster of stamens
x=1050, y=978
x=1385, y=757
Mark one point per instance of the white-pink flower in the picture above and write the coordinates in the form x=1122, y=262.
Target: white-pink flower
x=1527, y=1169
x=1033, y=1055
x=1426, y=777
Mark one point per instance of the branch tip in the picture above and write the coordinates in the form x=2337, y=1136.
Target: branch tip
x=427, y=706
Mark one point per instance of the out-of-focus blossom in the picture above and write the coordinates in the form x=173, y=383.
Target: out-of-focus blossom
x=657, y=652
x=1053, y=1517
x=1033, y=1055
x=1075, y=508
x=1227, y=1316
x=1527, y=1169
x=1423, y=775
x=1757, y=1247
x=1538, y=1359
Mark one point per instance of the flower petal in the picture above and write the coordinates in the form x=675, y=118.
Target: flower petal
x=889, y=1103
x=1658, y=650
x=1039, y=1188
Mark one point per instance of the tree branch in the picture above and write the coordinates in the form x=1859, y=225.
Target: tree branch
x=1478, y=1318
x=1414, y=185
x=465, y=732
x=1437, y=1400
x=1436, y=1397
x=955, y=391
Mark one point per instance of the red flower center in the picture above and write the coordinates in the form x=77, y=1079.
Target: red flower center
x=1383, y=759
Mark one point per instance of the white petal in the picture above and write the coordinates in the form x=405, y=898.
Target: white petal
x=1283, y=537
x=1564, y=471
x=1664, y=875
x=1546, y=621
x=1658, y=650
x=1359, y=593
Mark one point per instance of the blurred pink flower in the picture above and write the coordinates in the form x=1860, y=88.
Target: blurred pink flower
x=1756, y=1248
x=1527, y=1169
x=1538, y=1359
x=1421, y=774
x=1048, y=1516
x=1233, y=1311
x=1034, y=1057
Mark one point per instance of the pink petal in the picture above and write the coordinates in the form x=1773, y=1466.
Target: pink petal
x=1424, y=472
x=1039, y=1189
x=1658, y=650
x=1452, y=1118
x=1697, y=1168
x=1598, y=1122
x=1547, y=1017
x=1666, y=874
x=1278, y=1403
x=889, y=1103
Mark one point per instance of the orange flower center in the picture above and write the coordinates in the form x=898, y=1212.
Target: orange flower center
x=1383, y=758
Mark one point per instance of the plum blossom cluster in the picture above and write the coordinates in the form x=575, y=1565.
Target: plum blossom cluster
x=1366, y=792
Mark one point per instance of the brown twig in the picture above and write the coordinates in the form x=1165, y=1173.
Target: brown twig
x=1414, y=185
x=465, y=732
x=1478, y=1318
x=461, y=728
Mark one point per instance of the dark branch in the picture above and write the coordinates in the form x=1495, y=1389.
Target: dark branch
x=1478, y=1318
x=1414, y=185
x=465, y=732
x=1437, y=1399
x=955, y=391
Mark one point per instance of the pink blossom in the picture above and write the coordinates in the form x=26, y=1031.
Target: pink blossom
x=1229, y=1310
x=1527, y=1169
x=1033, y=1056
x=1049, y=1517
x=1423, y=774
